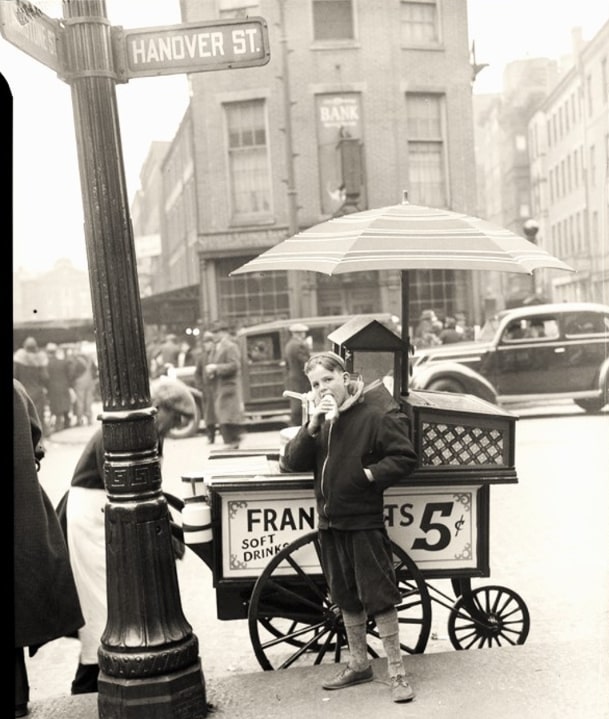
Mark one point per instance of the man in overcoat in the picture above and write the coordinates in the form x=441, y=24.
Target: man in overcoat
x=224, y=370
x=296, y=353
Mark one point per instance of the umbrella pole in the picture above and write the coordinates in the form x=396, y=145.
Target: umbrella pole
x=405, y=329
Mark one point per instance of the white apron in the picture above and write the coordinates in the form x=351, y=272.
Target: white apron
x=87, y=547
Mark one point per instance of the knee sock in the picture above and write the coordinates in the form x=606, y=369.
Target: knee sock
x=389, y=631
x=355, y=626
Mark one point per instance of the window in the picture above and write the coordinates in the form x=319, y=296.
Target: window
x=427, y=175
x=333, y=20
x=586, y=323
x=592, y=167
x=432, y=289
x=249, y=299
x=418, y=22
x=248, y=159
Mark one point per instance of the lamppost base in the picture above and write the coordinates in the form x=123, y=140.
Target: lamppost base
x=180, y=694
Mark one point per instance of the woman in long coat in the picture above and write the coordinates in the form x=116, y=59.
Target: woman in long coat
x=60, y=381
x=45, y=598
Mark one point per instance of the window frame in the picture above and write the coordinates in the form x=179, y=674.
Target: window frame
x=236, y=216
x=338, y=41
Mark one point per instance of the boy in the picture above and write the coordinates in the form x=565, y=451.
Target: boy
x=356, y=449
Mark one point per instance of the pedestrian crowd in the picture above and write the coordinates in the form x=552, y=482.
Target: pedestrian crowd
x=218, y=375
x=431, y=331
x=62, y=382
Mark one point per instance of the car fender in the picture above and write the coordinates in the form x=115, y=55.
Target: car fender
x=471, y=381
x=603, y=375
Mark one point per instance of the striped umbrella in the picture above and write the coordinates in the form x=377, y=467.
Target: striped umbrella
x=404, y=237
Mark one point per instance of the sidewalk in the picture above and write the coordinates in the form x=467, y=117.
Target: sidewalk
x=566, y=681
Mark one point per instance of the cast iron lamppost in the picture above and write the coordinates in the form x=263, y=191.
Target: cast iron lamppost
x=148, y=656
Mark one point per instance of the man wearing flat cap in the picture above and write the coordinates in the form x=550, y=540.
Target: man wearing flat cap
x=296, y=353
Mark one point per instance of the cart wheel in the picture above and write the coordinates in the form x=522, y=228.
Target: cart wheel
x=293, y=622
x=488, y=616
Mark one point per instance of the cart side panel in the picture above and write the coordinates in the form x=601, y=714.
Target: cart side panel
x=444, y=529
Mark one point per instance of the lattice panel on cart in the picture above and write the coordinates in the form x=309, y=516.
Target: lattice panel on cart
x=443, y=443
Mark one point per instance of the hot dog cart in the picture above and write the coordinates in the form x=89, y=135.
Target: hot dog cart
x=254, y=525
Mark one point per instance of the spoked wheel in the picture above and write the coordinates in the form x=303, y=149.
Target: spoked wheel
x=293, y=622
x=488, y=616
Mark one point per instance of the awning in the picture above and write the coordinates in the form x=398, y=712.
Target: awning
x=178, y=306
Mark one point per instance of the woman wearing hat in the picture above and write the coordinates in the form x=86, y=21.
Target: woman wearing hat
x=85, y=526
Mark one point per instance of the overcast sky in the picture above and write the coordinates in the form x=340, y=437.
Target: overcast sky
x=47, y=217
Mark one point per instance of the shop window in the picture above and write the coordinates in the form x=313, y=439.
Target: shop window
x=249, y=299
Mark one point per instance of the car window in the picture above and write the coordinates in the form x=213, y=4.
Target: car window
x=524, y=330
x=263, y=348
x=513, y=332
x=586, y=323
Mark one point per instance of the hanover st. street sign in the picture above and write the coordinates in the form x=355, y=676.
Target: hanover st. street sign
x=141, y=52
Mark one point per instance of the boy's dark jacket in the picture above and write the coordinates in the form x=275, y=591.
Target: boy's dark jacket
x=371, y=432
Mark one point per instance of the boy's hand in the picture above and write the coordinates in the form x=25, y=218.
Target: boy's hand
x=326, y=409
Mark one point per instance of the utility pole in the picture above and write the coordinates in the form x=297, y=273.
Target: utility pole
x=287, y=117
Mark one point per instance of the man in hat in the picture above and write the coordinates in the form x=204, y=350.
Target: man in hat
x=224, y=371
x=296, y=353
x=85, y=525
x=206, y=385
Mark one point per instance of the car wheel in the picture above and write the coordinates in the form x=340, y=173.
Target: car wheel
x=445, y=385
x=591, y=405
x=188, y=427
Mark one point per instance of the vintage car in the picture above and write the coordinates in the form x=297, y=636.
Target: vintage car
x=525, y=355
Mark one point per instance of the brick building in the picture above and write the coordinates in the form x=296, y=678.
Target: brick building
x=569, y=152
x=358, y=102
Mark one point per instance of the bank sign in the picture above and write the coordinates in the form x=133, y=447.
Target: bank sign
x=191, y=47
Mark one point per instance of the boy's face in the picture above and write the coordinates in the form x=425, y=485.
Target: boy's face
x=326, y=381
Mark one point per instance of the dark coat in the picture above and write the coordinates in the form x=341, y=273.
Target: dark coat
x=206, y=385
x=60, y=380
x=296, y=353
x=46, y=601
x=32, y=370
x=228, y=393
x=365, y=435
